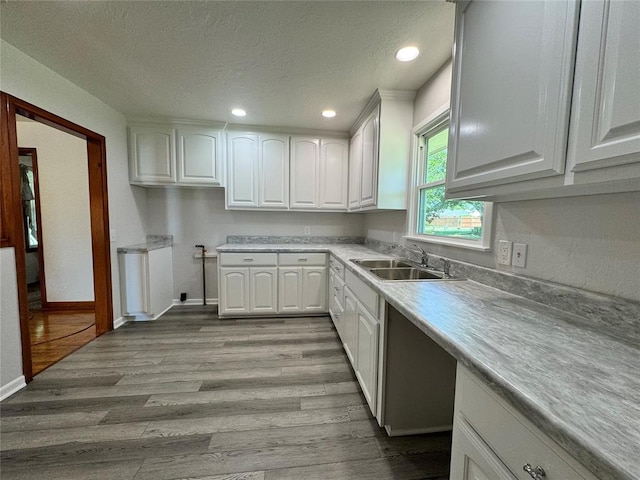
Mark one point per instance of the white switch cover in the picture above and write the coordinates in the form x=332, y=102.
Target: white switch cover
x=520, y=255
x=504, y=252
x=112, y=235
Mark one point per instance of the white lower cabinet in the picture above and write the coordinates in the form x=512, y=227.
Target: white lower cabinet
x=367, y=333
x=269, y=283
x=350, y=326
x=491, y=440
x=302, y=289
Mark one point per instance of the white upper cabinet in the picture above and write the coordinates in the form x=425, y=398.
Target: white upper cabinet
x=319, y=169
x=242, y=168
x=175, y=154
x=258, y=171
x=380, y=153
x=334, y=170
x=152, y=155
x=199, y=156
x=305, y=169
x=273, y=190
x=605, y=122
x=511, y=91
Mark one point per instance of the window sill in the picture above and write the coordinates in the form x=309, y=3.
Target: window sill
x=450, y=242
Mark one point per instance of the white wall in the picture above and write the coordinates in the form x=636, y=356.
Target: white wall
x=10, y=346
x=589, y=242
x=31, y=81
x=63, y=180
x=197, y=215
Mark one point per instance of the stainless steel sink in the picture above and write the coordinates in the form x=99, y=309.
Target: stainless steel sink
x=381, y=263
x=406, y=274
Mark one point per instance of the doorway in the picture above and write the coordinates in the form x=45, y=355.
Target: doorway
x=14, y=232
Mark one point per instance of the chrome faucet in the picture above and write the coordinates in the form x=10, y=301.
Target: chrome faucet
x=424, y=262
x=446, y=267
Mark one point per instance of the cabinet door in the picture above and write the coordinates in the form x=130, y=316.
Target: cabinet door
x=199, y=156
x=605, y=125
x=274, y=171
x=152, y=151
x=334, y=164
x=234, y=290
x=369, y=169
x=305, y=164
x=472, y=459
x=314, y=289
x=263, y=290
x=350, y=326
x=511, y=91
x=355, y=166
x=367, y=355
x=243, y=162
x=289, y=289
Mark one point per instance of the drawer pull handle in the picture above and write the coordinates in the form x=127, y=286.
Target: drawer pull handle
x=537, y=473
x=337, y=289
x=303, y=259
x=248, y=259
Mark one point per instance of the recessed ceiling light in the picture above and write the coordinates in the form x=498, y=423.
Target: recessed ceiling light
x=238, y=112
x=328, y=113
x=406, y=54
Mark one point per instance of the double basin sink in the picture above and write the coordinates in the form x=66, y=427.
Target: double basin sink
x=401, y=270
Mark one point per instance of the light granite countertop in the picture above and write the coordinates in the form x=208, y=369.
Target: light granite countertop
x=579, y=386
x=154, y=242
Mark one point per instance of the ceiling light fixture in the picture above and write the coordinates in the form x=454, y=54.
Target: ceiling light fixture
x=238, y=112
x=328, y=113
x=406, y=54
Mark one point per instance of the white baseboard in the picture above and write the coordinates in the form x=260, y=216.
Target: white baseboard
x=416, y=431
x=12, y=387
x=118, y=322
x=195, y=301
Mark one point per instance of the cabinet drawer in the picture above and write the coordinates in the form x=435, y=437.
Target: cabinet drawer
x=513, y=438
x=303, y=259
x=338, y=291
x=248, y=259
x=365, y=294
x=337, y=266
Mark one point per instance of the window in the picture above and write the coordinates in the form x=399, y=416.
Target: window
x=463, y=223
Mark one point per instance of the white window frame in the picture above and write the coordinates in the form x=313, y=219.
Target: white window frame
x=435, y=122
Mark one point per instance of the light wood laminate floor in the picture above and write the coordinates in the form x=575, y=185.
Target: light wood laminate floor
x=192, y=396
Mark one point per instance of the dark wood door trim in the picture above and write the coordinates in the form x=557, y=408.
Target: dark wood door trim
x=12, y=222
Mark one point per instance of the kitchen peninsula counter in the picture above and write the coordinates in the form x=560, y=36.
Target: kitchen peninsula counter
x=578, y=384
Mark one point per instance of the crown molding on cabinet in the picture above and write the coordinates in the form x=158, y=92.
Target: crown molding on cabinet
x=378, y=96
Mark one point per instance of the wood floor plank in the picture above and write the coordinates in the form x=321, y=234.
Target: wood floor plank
x=259, y=459
x=197, y=375
x=359, y=412
x=70, y=363
x=237, y=423
x=314, y=369
x=250, y=349
x=58, y=436
x=234, y=357
x=288, y=362
x=414, y=444
x=214, y=396
x=115, y=391
x=118, y=470
x=331, y=401
x=183, y=412
x=49, y=382
x=281, y=381
x=231, y=476
x=94, y=452
x=73, y=405
x=44, y=422
x=275, y=437
x=415, y=467
x=84, y=374
x=342, y=387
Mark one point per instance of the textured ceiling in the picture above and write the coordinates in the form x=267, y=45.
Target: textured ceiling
x=282, y=61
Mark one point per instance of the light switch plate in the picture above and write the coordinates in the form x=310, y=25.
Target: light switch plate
x=520, y=255
x=504, y=252
x=112, y=235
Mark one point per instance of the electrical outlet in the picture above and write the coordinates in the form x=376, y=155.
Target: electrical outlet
x=307, y=230
x=505, y=248
x=520, y=255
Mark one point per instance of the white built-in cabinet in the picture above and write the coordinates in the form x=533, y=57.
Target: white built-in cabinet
x=258, y=171
x=175, y=154
x=545, y=99
x=493, y=441
x=271, y=283
x=605, y=122
x=319, y=170
x=367, y=332
x=380, y=153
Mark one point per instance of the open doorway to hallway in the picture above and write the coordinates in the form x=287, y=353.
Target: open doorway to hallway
x=54, y=191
